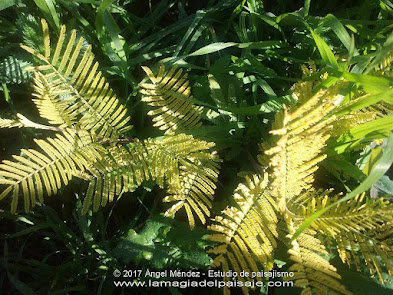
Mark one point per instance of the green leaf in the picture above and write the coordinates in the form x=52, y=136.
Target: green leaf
x=326, y=53
x=380, y=82
x=377, y=172
x=198, y=17
x=48, y=10
x=214, y=47
x=19, y=285
x=7, y=3
x=306, y=7
x=364, y=102
x=140, y=246
x=12, y=71
x=222, y=129
x=264, y=108
x=164, y=242
x=340, y=31
x=29, y=230
x=109, y=35
x=381, y=54
x=369, y=131
x=385, y=184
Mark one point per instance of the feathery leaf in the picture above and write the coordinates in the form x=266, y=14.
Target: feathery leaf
x=311, y=271
x=189, y=170
x=78, y=80
x=246, y=233
x=35, y=172
x=294, y=151
x=168, y=94
x=9, y=123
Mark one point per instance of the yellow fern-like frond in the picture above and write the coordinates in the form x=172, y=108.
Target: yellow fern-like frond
x=374, y=247
x=57, y=110
x=311, y=271
x=303, y=90
x=348, y=121
x=70, y=71
x=384, y=68
x=194, y=191
x=246, y=233
x=35, y=172
x=356, y=215
x=9, y=123
x=168, y=94
x=295, y=151
x=369, y=112
x=123, y=169
x=167, y=154
x=189, y=169
x=181, y=164
x=359, y=228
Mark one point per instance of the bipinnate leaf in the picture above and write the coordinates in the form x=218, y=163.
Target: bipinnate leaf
x=168, y=95
x=70, y=80
x=36, y=173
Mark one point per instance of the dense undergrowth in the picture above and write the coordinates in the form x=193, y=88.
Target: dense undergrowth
x=247, y=63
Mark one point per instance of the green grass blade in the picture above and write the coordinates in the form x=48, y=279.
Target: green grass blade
x=105, y=21
x=377, y=172
x=365, y=132
x=48, y=10
x=306, y=7
x=211, y=48
x=198, y=17
x=381, y=54
x=340, y=31
x=325, y=52
x=215, y=47
x=379, y=82
x=7, y=3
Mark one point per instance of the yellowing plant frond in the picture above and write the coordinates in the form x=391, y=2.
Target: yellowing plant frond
x=168, y=153
x=369, y=112
x=384, y=67
x=56, y=110
x=356, y=215
x=347, y=121
x=122, y=170
x=358, y=228
x=9, y=123
x=168, y=94
x=81, y=85
x=190, y=171
x=311, y=271
x=303, y=90
x=246, y=233
x=194, y=191
x=374, y=247
x=179, y=163
x=34, y=171
x=295, y=150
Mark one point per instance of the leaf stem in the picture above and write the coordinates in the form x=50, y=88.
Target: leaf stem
x=27, y=123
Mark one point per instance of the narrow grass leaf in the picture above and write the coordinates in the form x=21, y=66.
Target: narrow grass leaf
x=48, y=10
x=198, y=17
x=7, y=3
x=377, y=172
x=325, y=52
x=306, y=7
x=340, y=31
x=211, y=48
